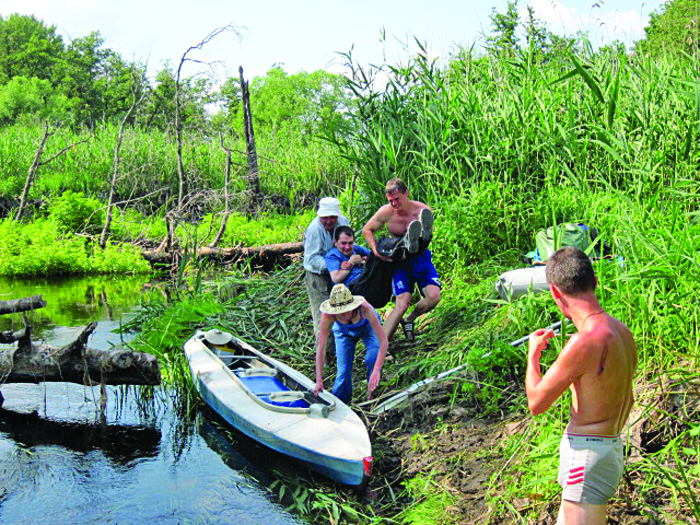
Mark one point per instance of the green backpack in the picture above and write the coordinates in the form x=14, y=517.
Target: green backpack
x=570, y=234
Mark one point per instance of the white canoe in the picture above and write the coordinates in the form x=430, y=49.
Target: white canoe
x=275, y=405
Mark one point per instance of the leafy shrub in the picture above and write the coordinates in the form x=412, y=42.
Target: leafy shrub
x=73, y=212
x=38, y=249
x=267, y=229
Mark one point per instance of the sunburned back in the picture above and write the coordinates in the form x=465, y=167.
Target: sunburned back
x=602, y=395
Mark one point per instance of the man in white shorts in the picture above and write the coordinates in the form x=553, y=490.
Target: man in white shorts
x=598, y=365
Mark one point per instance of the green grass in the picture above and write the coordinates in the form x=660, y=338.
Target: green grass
x=289, y=170
x=40, y=249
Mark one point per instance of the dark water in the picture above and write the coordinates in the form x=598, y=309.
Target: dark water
x=142, y=460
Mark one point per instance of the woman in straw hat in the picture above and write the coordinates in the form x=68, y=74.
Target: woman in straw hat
x=351, y=319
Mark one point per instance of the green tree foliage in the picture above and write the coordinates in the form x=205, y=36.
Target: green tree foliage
x=673, y=29
x=28, y=48
x=536, y=34
x=230, y=101
x=302, y=103
x=96, y=80
x=159, y=110
x=31, y=98
x=504, y=40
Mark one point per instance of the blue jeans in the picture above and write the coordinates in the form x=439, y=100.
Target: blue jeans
x=346, y=339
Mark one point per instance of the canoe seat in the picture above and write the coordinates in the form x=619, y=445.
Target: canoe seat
x=260, y=371
x=264, y=386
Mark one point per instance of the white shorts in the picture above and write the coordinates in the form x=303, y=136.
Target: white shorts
x=590, y=467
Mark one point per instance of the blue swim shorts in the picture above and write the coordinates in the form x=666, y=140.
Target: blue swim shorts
x=416, y=270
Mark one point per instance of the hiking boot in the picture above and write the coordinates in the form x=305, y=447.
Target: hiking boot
x=412, y=237
x=408, y=332
x=426, y=221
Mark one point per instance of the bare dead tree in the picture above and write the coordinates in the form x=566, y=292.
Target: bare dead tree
x=37, y=163
x=251, y=154
x=138, y=95
x=227, y=179
x=186, y=57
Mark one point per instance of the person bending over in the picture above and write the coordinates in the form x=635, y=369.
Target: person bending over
x=351, y=319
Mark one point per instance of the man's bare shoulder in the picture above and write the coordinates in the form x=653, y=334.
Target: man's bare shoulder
x=577, y=351
x=602, y=337
x=420, y=205
x=384, y=213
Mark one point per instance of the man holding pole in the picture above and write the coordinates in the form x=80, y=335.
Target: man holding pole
x=597, y=364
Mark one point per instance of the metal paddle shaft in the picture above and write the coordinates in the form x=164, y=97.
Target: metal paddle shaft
x=397, y=399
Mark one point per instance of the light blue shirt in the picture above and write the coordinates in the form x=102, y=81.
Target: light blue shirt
x=317, y=242
x=334, y=259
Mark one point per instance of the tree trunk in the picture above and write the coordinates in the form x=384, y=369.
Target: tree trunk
x=32, y=171
x=21, y=305
x=116, y=161
x=75, y=363
x=266, y=254
x=227, y=180
x=251, y=153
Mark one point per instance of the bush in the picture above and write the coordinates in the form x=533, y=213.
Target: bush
x=75, y=213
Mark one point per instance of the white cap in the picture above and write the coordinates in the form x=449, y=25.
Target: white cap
x=328, y=206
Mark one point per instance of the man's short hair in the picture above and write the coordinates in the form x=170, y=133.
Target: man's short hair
x=571, y=270
x=395, y=184
x=347, y=230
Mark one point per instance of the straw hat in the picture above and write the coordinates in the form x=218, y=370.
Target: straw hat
x=217, y=337
x=341, y=300
x=328, y=207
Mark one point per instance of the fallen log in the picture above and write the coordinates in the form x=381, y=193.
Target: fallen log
x=22, y=305
x=265, y=254
x=74, y=363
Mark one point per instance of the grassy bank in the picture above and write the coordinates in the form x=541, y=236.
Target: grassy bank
x=654, y=290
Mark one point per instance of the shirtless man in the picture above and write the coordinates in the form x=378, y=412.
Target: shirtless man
x=598, y=365
x=401, y=217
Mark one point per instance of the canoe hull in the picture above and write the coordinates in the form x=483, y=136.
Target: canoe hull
x=335, y=446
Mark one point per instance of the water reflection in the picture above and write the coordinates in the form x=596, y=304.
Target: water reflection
x=73, y=302
x=63, y=461
x=141, y=460
x=119, y=443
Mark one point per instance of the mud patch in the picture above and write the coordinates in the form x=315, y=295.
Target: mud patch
x=460, y=453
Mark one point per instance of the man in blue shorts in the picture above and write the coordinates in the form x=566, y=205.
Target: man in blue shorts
x=405, y=218
x=597, y=364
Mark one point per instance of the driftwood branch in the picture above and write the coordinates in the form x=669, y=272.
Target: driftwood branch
x=265, y=253
x=9, y=337
x=21, y=305
x=75, y=363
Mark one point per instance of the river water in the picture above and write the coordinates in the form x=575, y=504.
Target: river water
x=64, y=461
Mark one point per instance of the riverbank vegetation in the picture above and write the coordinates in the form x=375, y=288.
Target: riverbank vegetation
x=500, y=142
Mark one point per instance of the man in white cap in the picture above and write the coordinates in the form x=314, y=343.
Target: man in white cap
x=318, y=239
